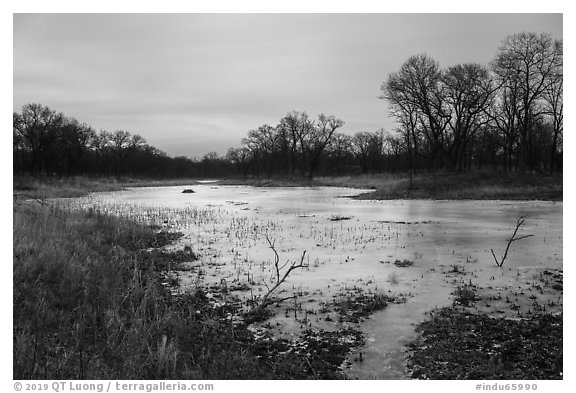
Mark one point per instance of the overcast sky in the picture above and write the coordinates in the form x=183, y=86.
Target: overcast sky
x=195, y=83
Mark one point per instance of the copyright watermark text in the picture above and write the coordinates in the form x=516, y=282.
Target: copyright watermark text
x=498, y=386
x=110, y=386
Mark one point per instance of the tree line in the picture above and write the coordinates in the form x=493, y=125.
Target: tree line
x=507, y=115
x=46, y=142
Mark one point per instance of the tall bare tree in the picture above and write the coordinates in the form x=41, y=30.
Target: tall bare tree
x=404, y=108
x=361, y=145
x=37, y=129
x=262, y=142
x=526, y=65
x=239, y=158
x=554, y=108
x=340, y=151
x=416, y=97
x=313, y=141
x=468, y=91
x=294, y=126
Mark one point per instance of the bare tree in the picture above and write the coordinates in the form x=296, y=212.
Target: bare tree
x=415, y=95
x=553, y=96
x=405, y=110
x=526, y=64
x=123, y=145
x=72, y=144
x=468, y=92
x=340, y=151
x=37, y=129
x=293, y=127
x=315, y=139
x=369, y=149
x=361, y=146
x=261, y=142
x=394, y=143
x=505, y=119
x=100, y=145
x=240, y=158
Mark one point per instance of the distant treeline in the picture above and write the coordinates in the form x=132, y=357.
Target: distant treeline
x=47, y=142
x=507, y=116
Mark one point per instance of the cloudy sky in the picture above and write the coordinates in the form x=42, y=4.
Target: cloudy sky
x=194, y=83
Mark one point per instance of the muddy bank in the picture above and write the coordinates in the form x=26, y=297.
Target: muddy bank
x=458, y=344
x=510, y=333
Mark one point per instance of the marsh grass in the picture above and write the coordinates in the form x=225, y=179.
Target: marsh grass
x=467, y=185
x=67, y=187
x=355, y=305
x=481, y=185
x=84, y=305
x=75, y=186
x=465, y=295
x=90, y=302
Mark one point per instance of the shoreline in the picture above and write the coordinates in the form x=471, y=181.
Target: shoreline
x=143, y=328
x=327, y=340
x=468, y=186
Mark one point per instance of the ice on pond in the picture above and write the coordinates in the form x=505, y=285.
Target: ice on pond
x=349, y=244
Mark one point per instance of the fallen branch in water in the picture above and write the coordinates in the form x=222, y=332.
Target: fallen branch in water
x=513, y=238
x=281, y=274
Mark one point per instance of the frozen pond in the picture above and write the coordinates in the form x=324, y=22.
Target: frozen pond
x=349, y=244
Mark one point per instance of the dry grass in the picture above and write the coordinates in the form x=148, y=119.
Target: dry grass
x=470, y=185
x=83, y=305
x=440, y=185
x=90, y=302
x=75, y=186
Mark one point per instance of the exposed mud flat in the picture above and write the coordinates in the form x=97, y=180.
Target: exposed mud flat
x=416, y=254
x=511, y=332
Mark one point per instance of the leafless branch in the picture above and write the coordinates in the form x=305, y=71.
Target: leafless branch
x=512, y=239
x=281, y=273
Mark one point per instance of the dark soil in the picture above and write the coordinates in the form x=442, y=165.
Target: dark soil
x=354, y=305
x=457, y=344
x=319, y=353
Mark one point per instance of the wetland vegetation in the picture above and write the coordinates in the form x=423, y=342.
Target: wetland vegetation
x=139, y=277
x=92, y=300
x=319, y=255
